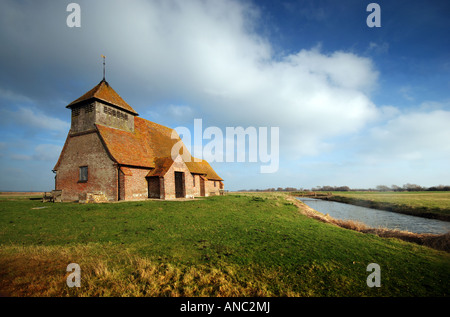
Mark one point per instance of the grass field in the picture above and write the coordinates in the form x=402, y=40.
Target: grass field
x=234, y=245
x=425, y=203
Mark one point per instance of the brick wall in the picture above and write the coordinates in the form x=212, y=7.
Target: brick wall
x=196, y=188
x=211, y=189
x=135, y=185
x=86, y=150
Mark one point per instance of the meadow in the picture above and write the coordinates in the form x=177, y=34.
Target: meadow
x=234, y=245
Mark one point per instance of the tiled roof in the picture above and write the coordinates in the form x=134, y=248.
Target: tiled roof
x=204, y=168
x=126, y=171
x=104, y=92
x=150, y=146
x=162, y=165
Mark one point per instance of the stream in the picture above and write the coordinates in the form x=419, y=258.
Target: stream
x=377, y=218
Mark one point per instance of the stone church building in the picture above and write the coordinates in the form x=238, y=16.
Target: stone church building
x=112, y=152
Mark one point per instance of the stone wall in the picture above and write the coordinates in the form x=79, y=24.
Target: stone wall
x=83, y=118
x=113, y=117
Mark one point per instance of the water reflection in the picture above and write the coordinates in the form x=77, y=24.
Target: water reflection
x=377, y=218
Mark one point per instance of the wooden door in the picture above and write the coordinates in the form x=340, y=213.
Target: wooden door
x=179, y=185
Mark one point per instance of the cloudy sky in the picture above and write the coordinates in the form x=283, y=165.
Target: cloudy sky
x=355, y=105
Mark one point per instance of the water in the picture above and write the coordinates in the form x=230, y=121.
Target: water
x=377, y=218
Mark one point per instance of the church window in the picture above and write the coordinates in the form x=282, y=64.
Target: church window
x=115, y=113
x=83, y=174
x=75, y=112
x=89, y=108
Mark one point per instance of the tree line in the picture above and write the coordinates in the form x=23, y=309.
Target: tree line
x=381, y=188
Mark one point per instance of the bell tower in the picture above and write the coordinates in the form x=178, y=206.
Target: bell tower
x=101, y=105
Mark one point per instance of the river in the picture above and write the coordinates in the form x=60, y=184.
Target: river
x=377, y=218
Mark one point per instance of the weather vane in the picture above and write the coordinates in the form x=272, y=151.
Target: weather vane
x=103, y=56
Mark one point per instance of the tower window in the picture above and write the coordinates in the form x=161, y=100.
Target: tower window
x=83, y=174
x=115, y=113
x=89, y=108
x=75, y=112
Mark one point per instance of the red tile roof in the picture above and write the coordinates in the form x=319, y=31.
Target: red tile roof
x=126, y=171
x=162, y=165
x=104, y=92
x=150, y=146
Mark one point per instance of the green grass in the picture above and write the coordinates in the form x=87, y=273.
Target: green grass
x=234, y=245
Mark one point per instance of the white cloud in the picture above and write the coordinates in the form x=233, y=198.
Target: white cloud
x=180, y=112
x=27, y=118
x=406, y=92
x=207, y=56
x=378, y=48
x=409, y=137
x=42, y=152
x=12, y=96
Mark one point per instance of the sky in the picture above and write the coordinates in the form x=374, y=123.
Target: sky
x=354, y=105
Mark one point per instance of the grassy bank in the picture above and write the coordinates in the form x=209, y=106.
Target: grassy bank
x=434, y=205
x=235, y=245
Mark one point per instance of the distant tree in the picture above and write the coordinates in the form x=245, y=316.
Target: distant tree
x=396, y=188
x=412, y=187
x=439, y=188
x=382, y=188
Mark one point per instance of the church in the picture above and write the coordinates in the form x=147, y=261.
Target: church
x=112, y=153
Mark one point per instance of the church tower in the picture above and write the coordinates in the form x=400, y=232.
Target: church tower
x=101, y=105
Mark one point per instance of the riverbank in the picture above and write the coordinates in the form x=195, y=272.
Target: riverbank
x=435, y=241
x=432, y=205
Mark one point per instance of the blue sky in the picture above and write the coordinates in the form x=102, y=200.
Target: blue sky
x=355, y=105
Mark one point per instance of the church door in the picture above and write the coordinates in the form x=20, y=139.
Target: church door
x=202, y=187
x=154, y=188
x=179, y=185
